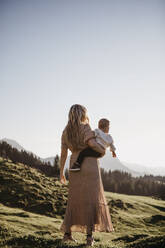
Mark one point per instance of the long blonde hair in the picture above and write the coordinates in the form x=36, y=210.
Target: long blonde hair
x=77, y=115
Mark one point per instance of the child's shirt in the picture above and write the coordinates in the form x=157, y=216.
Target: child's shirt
x=104, y=139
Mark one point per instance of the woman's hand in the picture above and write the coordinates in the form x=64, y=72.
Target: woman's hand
x=93, y=144
x=62, y=179
x=102, y=154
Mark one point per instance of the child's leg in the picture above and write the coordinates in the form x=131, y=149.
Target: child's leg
x=87, y=152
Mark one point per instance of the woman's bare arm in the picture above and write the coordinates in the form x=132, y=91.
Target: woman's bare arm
x=94, y=145
x=63, y=157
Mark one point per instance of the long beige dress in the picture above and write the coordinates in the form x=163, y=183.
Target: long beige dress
x=87, y=205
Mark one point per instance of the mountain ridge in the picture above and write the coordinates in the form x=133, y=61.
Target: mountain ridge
x=107, y=162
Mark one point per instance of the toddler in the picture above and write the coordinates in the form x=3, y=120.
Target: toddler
x=103, y=138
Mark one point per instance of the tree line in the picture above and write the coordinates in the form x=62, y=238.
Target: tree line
x=28, y=158
x=113, y=181
x=124, y=183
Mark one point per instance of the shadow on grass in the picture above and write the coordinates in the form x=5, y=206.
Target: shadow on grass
x=38, y=242
x=128, y=239
x=158, y=207
x=150, y=242
x=155, y=219
x=21, y=214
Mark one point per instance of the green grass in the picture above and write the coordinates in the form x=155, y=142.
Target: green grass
x=139, y=221
x=26, y=188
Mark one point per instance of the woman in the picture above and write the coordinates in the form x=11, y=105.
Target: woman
x=87, y=209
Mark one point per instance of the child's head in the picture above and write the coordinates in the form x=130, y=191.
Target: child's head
x=103, y=124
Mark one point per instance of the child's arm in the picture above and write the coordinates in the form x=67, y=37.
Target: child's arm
x=112, y=147
x=113, y=154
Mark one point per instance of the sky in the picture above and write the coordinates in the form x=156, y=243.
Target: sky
x=107, y=55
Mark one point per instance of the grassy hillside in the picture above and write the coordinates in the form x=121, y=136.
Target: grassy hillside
x=139, y=222
x=26, y=188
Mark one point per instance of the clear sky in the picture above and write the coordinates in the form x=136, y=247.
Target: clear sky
x=106, y=55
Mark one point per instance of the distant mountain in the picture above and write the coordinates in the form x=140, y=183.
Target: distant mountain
x=107, y=162
x=16, y=145
x=156, y=171
x=110, y=163
x=13, y=143
x=140, y=168
x=49, y=159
